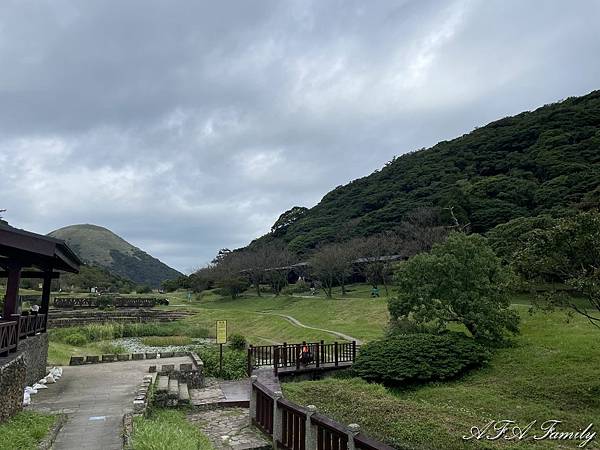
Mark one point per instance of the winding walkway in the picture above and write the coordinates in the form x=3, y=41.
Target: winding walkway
x=296, y=322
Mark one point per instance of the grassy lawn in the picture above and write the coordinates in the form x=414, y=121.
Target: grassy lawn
x=167, y=430
x=255, y=317
x=25, y=430
x=551, y=373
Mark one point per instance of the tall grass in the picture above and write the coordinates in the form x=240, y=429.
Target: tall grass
x=166, y=430
x=25, y=430
x=109, y=331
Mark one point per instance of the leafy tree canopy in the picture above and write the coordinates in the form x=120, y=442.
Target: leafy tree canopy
x=567, y=252
x=459, y=281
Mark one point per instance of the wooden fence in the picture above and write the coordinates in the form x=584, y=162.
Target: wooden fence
x=289, y=355
x=9, y=337
x=294, y=427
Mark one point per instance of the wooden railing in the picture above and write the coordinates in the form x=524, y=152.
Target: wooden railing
x=9, y=337
x=31, y=324
x=264, y=408
x=294, y=427
x=289, y=355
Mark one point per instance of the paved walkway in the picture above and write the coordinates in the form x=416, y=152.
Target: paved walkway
x=95, y=397
x=220, y=393
x=230, y=429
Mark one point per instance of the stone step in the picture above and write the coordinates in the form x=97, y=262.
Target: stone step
x=173, y=388
x=162, y=383
x=184, y=394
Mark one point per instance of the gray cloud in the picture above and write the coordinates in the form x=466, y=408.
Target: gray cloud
x=189, y=126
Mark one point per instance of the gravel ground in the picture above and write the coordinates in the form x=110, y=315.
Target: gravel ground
x=134, y=345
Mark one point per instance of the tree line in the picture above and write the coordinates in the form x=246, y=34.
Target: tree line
x=332, y=264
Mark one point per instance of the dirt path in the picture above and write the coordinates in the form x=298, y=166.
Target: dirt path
x=297, y=323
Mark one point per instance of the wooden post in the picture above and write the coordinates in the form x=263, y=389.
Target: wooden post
x=249, y=368
x=46, y=286
x=12, y=291
x=252, y=405
x=353, y=351
x=311, y=432
x=322, y=352
x=318, y=355
x=335, y=352
x=275, y=359
x=277, y=430
x=285, y=354
x=297, y=356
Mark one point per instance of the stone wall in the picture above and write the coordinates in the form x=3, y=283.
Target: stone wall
x=12, y=381
x=35, y=354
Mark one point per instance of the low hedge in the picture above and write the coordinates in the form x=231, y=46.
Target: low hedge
x=418, y=357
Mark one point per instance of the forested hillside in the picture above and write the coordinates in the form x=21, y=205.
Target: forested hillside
x=547, y=160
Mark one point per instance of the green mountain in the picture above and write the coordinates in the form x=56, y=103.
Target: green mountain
x=98, y=246
x=547, y=160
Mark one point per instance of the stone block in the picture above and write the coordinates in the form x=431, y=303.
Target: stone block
x=109, y=358
x=166, y=368
x=185, y=367
x=166, y=354
x=152, y=369
x=150, y=355
x=92, y=359
x=139, y=405
x=137, y=356
x=77, y=360
x=180, y=354
x=123, y=357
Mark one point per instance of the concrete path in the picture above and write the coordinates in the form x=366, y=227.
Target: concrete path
x=220, y=393
x=95, y=397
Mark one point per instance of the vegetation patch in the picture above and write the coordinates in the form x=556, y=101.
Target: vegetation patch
x=234, y=363
x=547, y=373
x=25, y=430
x=167, y=429
x=419, y=357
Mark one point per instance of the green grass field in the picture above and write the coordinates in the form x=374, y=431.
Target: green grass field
x=552, y=372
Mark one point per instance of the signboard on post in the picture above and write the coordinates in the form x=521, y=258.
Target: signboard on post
x=221, y=339
x=221, y=331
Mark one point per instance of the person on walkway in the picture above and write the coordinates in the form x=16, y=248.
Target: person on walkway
x=375, y=291
x=312, y=288
x=305, y=356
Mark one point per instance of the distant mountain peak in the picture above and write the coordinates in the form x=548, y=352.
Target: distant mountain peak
x=97, y=245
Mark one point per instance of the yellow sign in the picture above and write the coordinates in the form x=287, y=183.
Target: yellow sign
x=221, y=331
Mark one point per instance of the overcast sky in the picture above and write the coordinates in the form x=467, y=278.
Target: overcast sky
x=187, y=126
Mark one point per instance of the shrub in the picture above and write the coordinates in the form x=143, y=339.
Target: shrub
x=234, y=363
x=299, y=287
x=76, y=339
x=105, y=302
x=237, y=342
x=419, y=357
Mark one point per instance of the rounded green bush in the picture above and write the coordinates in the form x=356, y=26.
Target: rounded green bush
x=76, y=339
x=418, y=357
x=237, y=342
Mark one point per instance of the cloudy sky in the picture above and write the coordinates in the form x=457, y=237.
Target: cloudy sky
x=187, y=126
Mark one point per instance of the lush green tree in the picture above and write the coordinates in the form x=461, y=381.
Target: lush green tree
x=509, y=238
x=568, y=252
x=460, y=281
